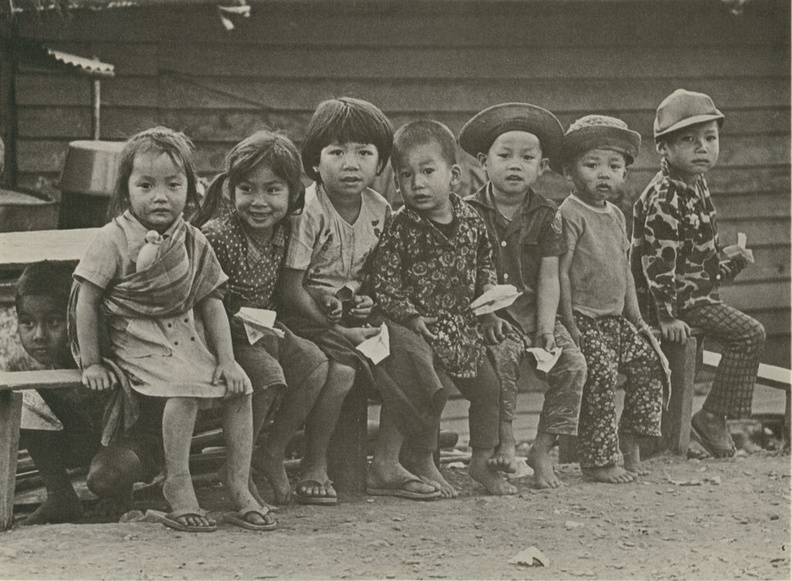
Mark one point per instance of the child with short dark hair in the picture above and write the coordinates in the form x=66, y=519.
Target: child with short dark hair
x=598, y=303
x=262, y=181
x=61, y=428
x=348, y=143
x=148, y=275
x=514, y=143
x=676, y=262
x=433, y=261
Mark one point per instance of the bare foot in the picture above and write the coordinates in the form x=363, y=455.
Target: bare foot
x=382, y=475
x=272, y=466
x=423, y=466
x=631, y=449
x=56, y=510
x=610, y=474
x=544, y=472
x=492, y=480
x=504, y=457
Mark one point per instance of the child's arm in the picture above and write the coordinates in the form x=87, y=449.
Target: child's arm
x=218, y=334
x=631, y=310
x=565, y=300
x=548, y=294
x=95, y=375
x=663, y=239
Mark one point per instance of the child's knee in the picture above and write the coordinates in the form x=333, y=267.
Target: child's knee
x=340, y=379
x=758, y=335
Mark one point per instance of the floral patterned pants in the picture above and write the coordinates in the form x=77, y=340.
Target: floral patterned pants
x=612, y=345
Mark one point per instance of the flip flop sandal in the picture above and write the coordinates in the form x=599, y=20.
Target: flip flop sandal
x=170, y=520
x=239, y=519
x=710, y=446
x=399, y=490
x=302, y=496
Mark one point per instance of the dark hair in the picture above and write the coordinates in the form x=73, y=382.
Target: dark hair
x=421, y=132
x=46, y=279
x=271, y=149
x=346, y=120
x=155, y=140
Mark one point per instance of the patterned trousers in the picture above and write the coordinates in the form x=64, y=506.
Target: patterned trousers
x=743, y=339
x=565, y=380
x=612, y=345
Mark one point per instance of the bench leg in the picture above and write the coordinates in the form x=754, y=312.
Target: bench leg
x=676, y=420
x=10, y=415
x=347, y=453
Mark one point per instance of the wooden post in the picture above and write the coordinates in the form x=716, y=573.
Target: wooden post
x=96, y=107
x=676, y=420
x=10, y=415
x=347, y=453
x=9, y=128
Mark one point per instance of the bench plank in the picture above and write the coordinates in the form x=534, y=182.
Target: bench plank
x=20, y=249
x=10, y=416
x=41, y=379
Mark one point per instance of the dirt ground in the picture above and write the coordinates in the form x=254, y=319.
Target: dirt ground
x=690, y=519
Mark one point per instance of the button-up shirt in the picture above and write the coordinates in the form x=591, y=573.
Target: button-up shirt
x=419, y=271
x=520, y=244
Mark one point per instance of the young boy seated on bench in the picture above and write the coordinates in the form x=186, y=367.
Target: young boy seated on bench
x=61, y=428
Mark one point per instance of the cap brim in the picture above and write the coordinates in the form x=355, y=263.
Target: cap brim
x=691, y=121
x=478, y=134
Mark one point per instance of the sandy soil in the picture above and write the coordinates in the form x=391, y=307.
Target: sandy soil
x=711, y=519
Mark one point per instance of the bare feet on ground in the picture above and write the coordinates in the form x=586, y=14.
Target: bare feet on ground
x=631, y=449
x=272, y=467
x=385, y=475
x=609, y=474
x=55, y=511
x=544, y=471
x=504, y=457
x=490, y=479
x=423, y=466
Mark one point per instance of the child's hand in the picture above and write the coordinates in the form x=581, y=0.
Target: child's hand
x=418, y=324
x=361, y=307
x=545, y=340
x=674, y=330
x=97, y=377
x=331, y=307
x=359, y=334
x=495, y=329
x=236, y=381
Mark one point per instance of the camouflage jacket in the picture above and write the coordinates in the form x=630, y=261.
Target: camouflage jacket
x=675, y=251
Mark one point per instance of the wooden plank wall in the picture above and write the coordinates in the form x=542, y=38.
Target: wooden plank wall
x=446, y=60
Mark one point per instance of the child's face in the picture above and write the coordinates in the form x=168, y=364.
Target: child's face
x=348, y=168
x=261, y=199
x=514, y=162
x=425, y=179
x=42, y=328
x=597, y=175
x=692, y=151
x=157, y=190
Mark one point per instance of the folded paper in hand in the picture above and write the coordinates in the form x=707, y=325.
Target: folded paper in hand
x=545, y=360
x=496, y=298
x=377, y=347
x=740, y=249
x=257, y=323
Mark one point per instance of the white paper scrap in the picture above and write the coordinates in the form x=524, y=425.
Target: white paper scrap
x=740, y=248
x=377, y=347
x=257, y=323
x=496, y=298
x=742, y=239
x=545, y=360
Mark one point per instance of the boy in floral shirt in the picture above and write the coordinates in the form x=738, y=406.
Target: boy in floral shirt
x=677, y=266
x=432, y=262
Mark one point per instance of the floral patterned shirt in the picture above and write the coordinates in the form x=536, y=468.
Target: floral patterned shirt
x=419, y=271
x=675, y=250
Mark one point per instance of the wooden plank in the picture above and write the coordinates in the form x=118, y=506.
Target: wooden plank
x=763, y=231
x=10, y=416
x=174, y=92
x=40, y=379
x=772, y=265
x=769, y=375
x=19, y=249
x=676, y=419
x=232, y=125
x=777, y=323
x=774, y=295
x=753, y=205
x=435, y=24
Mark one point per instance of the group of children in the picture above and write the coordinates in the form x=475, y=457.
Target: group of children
x=153, y=313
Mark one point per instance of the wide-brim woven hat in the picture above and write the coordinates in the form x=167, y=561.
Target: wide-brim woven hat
x=479, y=133
x=682, y=109
x=600, y=132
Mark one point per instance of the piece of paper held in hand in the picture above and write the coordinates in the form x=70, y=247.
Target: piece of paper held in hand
x=36, y=414
x=257, y=323
x=545, y=360
x=496, y=298
x=740, y=248
x=377, y=347
x=347, y=292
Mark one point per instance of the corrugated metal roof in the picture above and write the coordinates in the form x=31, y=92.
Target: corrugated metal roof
x=32, y=52
x=20, y=6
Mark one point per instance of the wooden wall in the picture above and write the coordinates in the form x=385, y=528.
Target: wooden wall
x=446, y=60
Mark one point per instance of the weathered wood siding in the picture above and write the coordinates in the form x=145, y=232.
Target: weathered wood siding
x=446, y=60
